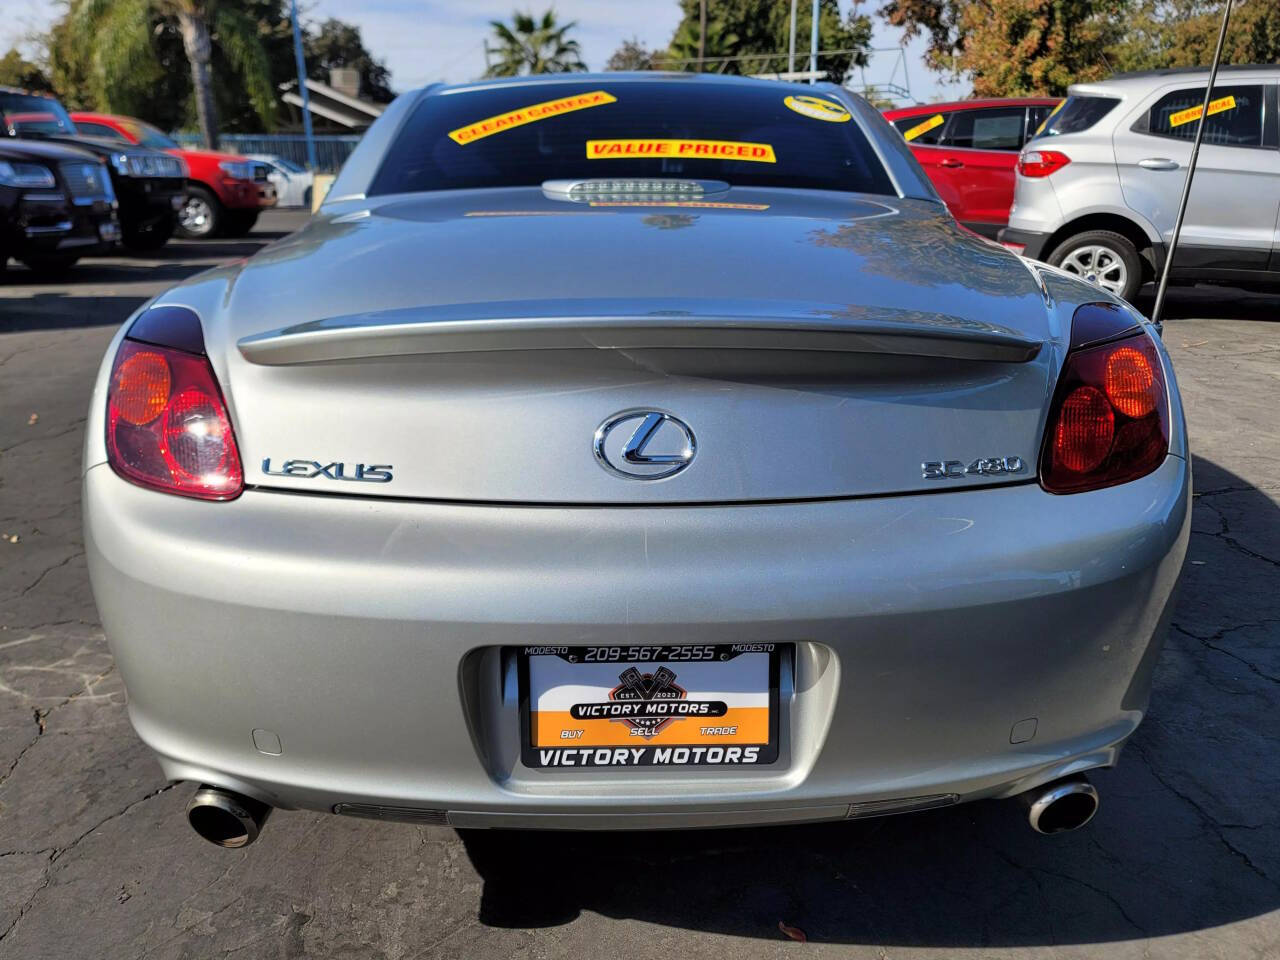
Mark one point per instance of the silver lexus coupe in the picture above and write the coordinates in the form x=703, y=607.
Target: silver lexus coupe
x=634, y=451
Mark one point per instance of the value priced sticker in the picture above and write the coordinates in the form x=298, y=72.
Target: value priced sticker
x=1192, y=114
x=681, y=149
x=818, y=108
x=530, y=114
x=920, y=129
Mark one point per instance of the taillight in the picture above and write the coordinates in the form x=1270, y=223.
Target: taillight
x=1109, y=422
x=167, y=426
x=1041, y=163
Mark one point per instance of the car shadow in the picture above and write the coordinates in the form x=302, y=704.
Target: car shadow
x=1225, y=303
x=1186, y=838
x=42, y=304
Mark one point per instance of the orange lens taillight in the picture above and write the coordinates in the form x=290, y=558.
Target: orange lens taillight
x=141, y=387
x=1131, y=382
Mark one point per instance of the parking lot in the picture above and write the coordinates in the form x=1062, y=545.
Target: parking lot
x=96, y=859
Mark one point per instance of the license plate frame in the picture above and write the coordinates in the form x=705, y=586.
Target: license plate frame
x=683, y=750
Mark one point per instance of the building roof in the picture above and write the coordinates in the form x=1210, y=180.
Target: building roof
x=333, y=105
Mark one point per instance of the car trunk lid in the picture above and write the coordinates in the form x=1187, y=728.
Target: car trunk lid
x=815, y=345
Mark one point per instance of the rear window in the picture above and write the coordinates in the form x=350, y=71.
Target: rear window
x=926, y=130
x=524, y=135
x=1235, y=116
x=1077, y=114
x=25, y=115
x=995, y=128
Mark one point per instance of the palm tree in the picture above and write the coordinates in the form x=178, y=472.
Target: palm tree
x=534, y=46
x=119, y=32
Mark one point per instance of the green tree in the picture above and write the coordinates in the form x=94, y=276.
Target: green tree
x=632, y=55
x=16, y=71
x=339, y=44
x=746, y=28
x=123, y=37
x=1018, y=48
x=939, y=20
x=532, y=45
x=1182, y=33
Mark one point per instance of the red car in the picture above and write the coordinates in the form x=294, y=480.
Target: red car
x=225, y=192
x=969, y=149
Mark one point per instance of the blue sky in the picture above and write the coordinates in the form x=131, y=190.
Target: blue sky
x=426, y=41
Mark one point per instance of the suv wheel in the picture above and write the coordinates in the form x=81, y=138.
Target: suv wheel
x=200, y=215
x=1105, y=259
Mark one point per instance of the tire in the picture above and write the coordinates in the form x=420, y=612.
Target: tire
x=1103, y=258
x=201, y=215
x=145, y=238
x=306, y=194
x=237, y=223
x=51, y=265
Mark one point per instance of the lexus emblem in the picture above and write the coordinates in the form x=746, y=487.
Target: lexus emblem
x=644, y=445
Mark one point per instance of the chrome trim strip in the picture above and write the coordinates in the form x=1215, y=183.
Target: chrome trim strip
x=62, y=226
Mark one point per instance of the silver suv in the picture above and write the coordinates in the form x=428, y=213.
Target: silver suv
x=1098, y=187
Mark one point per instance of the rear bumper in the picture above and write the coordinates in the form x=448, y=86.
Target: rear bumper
x=368, y=636
x=1026, y=243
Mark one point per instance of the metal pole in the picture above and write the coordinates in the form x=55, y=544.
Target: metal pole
x=791, y=55
x=302, y=89
x=1191, y=167
x=813, y=44
x=702, y=33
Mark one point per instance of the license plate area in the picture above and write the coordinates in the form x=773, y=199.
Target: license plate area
x=650, y=706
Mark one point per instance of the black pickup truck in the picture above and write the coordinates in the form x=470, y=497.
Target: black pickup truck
x=149, y=185
x=56, y=205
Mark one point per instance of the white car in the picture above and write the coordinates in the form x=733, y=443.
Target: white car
x=293, y=183
x=1097, y=190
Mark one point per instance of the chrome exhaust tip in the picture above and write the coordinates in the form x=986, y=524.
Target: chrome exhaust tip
x=224, y=818
x=1060, y=806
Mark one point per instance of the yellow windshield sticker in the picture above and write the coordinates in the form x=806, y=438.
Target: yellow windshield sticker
x=695, y=204
x=1192, y=114
x=530, y=114
x=1045, y=122
x=936, y=120
x=681, y=149
x=818, y=108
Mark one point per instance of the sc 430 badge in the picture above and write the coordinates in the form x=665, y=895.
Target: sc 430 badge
x=987, y=466
x=313, y=469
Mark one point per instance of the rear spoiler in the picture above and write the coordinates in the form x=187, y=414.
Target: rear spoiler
x=614, y=325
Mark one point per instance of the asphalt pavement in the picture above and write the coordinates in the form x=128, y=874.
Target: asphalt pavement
x=96, y=859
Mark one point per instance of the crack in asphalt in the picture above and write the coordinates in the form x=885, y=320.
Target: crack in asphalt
x=46, y=436
x=57, y=854
x=1214, y=826
x=48, y=570
x=39, y=721
x=41, y=715
x=1225, y=536
x=1210, y=643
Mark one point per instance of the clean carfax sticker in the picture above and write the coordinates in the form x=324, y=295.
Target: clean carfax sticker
x=919, y=129
x=1193, y=113
x=817, y=108
x=681, y=149
x=530, y=114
